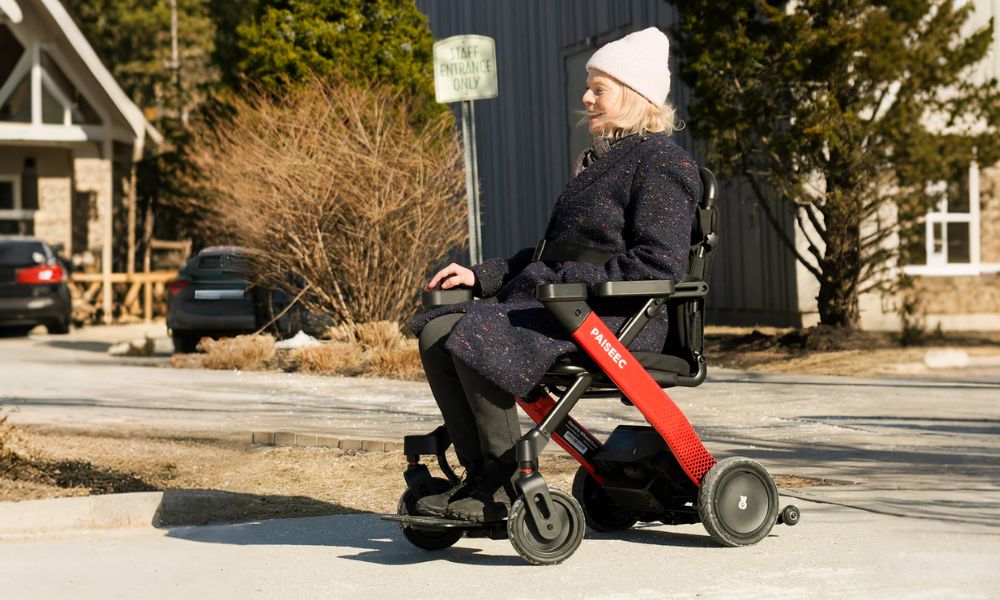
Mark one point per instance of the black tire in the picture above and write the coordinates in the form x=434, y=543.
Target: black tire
x=58, y=327
x=600, y=511
x=185, y=342
x=790, y=515
x=537, y=550
x=738, y=502
x=427, y=539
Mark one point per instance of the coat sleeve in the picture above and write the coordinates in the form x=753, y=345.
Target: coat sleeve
x=658, y=221
x=493, y=274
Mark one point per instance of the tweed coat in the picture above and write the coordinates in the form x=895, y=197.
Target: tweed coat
x=636, y=203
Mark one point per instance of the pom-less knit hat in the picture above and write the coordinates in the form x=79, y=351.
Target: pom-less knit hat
x=640, y=61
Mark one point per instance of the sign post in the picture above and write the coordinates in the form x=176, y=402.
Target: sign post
x=465, y=70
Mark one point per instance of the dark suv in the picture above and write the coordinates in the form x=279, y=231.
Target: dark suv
x=210, y=298
x=33, y=286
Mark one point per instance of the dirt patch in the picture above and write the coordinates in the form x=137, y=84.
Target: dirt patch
x=260, y=482
x=821, y=351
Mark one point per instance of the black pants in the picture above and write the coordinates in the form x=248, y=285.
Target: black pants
x=481, y=418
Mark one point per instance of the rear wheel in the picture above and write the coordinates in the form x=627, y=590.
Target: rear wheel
x=738, y=502
x=60, y=327
x=600, y=511
x=427, y=539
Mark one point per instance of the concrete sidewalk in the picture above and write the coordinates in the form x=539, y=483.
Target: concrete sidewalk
x=833, y=553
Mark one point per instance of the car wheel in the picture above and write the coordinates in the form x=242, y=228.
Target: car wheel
x=185, y=342
x=58, y=327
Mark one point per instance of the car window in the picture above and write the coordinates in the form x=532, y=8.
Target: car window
x=19, y=254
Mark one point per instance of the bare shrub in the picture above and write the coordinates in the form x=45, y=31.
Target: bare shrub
x=339, y=192
x=370, y=336
x=244, y=352
x=337, y=358
x=402, y=362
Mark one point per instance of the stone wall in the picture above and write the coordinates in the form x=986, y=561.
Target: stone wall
x=53, y=218
x=960, y=294
x=989, y=213
x=94, y=175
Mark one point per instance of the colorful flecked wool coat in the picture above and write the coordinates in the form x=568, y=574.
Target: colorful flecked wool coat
x=637, y=203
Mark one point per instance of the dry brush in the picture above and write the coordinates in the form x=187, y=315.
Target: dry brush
x=341, y=191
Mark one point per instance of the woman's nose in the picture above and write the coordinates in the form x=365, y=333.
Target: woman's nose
x=588, y=98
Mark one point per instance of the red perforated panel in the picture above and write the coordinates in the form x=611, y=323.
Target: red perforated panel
x=614, y=359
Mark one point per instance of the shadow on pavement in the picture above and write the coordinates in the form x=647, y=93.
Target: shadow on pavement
x=85, y=346
x=381, y=542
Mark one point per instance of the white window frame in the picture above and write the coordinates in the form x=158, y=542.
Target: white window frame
x=30, y=64
x=17, y=213
x=937, y=262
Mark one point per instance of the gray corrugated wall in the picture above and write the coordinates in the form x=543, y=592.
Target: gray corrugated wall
x=523, y=138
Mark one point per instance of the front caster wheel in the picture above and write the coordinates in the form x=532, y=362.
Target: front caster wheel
x=534, y=548
x=601, y=512
x=738, y=502
x=428, y=539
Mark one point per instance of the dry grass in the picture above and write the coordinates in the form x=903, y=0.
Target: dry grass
x=378, y=349
x=244, y=352
x=397, y=363
x=378, y=335
x=267, y=482
x=335, y=358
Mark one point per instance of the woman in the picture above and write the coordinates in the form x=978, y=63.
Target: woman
x=632, y=197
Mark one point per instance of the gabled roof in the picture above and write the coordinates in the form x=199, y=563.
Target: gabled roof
x=136, y=120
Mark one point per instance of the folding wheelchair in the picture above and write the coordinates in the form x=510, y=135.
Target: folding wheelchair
x=656, y=473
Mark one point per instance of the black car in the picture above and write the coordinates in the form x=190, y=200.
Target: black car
x=33, y=286
x=211, y=298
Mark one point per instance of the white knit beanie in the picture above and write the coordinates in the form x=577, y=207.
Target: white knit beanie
x=640, y=61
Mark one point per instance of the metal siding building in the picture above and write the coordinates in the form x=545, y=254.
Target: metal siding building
x=527, y=138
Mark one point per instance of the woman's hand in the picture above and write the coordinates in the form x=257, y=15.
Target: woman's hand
x=453, y=275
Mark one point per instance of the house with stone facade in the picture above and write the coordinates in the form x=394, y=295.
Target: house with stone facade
x=69, y=136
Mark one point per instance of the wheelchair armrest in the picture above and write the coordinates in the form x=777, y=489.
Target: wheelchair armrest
x=434, y=298
x=654, y=288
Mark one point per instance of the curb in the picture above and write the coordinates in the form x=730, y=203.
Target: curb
x=81, y=513
x=308, y=440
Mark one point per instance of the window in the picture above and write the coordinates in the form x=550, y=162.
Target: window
x=62, y=103
x=946, y=240
x=13, y=215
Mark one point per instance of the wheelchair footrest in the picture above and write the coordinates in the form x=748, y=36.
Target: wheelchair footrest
x=428, y=522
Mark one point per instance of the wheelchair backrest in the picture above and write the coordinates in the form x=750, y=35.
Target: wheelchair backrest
x=687, y=315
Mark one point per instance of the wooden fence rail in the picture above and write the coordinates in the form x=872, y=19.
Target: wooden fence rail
x=134, y=295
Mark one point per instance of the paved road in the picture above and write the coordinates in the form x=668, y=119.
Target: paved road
x=833, y=553
x=922, y=448
x=926, y=450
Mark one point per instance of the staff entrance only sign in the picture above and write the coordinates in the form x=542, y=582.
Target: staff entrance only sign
x=465, y=68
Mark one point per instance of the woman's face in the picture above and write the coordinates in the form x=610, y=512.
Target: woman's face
x=603, y=101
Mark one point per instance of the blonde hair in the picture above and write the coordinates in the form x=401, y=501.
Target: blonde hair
x=639, y=115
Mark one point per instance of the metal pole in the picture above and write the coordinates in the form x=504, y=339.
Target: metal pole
x=472, y=181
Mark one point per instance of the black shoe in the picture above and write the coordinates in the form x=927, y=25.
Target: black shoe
x=436, y=505
x=489, y=501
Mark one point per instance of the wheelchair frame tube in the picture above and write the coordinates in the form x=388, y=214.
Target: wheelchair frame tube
x=571, y=436
x=642, y=390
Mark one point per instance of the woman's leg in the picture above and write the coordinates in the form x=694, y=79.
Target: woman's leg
x=495, y=413
x=448, y=390
x=496, y=417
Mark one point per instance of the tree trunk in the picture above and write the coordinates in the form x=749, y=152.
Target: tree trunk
x=841, y=265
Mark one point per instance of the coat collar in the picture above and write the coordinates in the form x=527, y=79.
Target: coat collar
x=594, y=171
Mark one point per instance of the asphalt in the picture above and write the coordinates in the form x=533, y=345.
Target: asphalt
x=914, y=512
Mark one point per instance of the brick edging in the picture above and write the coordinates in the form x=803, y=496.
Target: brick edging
x=309, y=440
